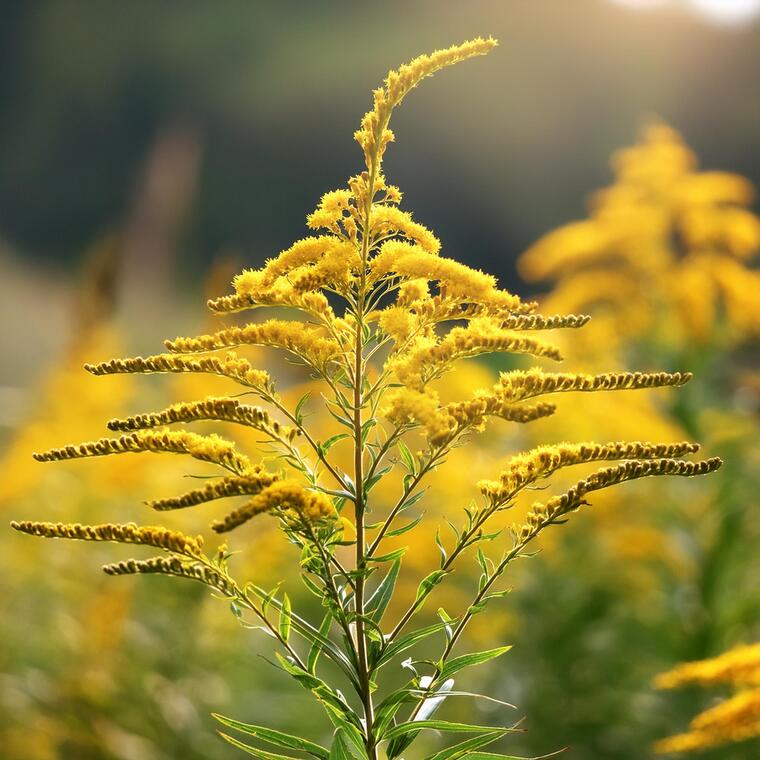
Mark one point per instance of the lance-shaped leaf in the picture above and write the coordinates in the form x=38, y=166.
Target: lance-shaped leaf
x=347, y=745
x=318, y=646
x=285, y=620
x=405, y=642
x=429, y=705
x=464, y=749
x=278, y=738
x=260, y=754
x=335, y=705
x=466, y=660
x=401, y=730
x=378, y=602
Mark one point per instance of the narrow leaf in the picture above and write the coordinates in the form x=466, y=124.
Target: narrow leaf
x=346, y=747
x=299, y=407
x=258, y=753
x=395, y=554
x=440, y=725
x=466, y=660
x=378, y=602
x=277, y=738
x=317, y=646
x=285, y=618
x=404, y=528
x=462, y=749
x=405, y=642
x=429, y=582
x=332, y=440
x=407, y=457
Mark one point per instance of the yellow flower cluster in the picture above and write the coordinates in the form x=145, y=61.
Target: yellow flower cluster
x=207, y=448
x=374, y=135
x=665, y=242
x=455, y=281
x=327, y=261
x=172, y=566
x=330, y=214
x=441, y=422
x=732, y=720
x=519, y=385
x=542, y=514
x=542, y=461
x=231, y=366
x=250, y=484
x=283, y=496
x=220, y=408
x=387, y=221
x=429, y=358
x=281, y=294
x=129, y=533
x=304, y=340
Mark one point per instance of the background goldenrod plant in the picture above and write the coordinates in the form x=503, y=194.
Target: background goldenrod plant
x=381, y=316
x=676, y=578
x=734, y=719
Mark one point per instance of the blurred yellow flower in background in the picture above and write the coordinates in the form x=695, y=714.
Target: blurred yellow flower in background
x=734, y=719
x=668, y=248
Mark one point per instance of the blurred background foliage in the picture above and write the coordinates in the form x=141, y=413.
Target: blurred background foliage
x=150, y=150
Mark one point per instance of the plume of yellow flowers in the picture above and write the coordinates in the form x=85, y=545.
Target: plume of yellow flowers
x=377, y=314
x=666, y=244
x=736, y=718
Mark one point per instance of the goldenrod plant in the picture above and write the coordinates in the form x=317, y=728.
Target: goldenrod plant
x=666, y=246
x=734, y=719
x=381, y=314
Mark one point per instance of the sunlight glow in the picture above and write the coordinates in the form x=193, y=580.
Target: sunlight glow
x=727, y=11
x=717, y=11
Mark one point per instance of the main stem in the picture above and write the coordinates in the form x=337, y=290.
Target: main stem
x=361, y=556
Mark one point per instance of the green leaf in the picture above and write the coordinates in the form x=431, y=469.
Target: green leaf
x=347, y=745
x=299, y=406
x=407, y=457
x=404, y=734
x=345, y=421
x=466, y=660
x=378, y=602
x=449, y=628
x=258, y=753
x=395, y=554
x=309, y=632
x=404, y=528
x=429, y=582
x=370, y=483
x=463, y=748
x=331, y=441
x=333, y=702
x=440, y=725
x=367, y=427
x=412, y=500
x=391, y=704
x=405, y=642
x=269, y=597
x=278, y=738
x=317, y=646
x=285, y=618
x=441, y=547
